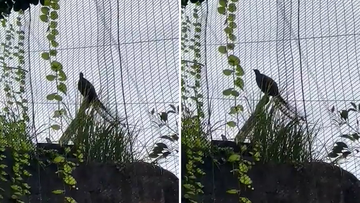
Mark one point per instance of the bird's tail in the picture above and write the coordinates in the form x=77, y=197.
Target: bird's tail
x=108, y=114
x=281, y=100
x=288, y=107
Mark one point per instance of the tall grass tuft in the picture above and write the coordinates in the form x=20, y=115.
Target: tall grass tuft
x=281, y=140
x=103, y=141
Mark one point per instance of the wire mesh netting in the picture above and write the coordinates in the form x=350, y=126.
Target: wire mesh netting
x=308, y=47
x=127, y=49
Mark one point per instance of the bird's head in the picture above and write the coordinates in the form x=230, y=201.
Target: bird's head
x=81, y=75
x=257, y=72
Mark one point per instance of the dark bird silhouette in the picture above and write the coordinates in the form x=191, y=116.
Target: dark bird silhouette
x=88, y=92
x=268, y=86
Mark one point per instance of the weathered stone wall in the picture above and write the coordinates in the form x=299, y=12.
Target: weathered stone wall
x=137, y=182
x=315, y=182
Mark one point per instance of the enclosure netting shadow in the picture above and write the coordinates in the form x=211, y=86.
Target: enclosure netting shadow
x=310, y=48
x=127, y=49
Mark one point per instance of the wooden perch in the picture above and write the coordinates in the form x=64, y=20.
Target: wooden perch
x=72, y=128
x=250, y=123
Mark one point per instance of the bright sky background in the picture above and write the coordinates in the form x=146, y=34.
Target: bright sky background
x=267, y=40
x=89, y=43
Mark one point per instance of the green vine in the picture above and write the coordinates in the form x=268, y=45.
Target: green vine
x=65, y=169
x=49, y=15
x=241, y=168
x=13, y=132
x=192, y=68
x=185, y=29
x=194, y=153
x=235, y=71
x=21, y=157
x=13, y=122
x=2, y=157
x=14, y=54
x=228, y=9
x=192, y=133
